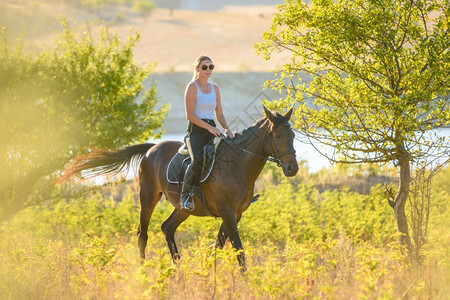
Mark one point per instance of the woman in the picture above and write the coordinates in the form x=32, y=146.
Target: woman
x=202, y=103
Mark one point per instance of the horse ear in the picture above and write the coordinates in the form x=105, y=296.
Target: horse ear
x=289, y=113
x=269, y=115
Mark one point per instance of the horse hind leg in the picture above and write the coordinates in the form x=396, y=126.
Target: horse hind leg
x=148, y=198
x=169, y=227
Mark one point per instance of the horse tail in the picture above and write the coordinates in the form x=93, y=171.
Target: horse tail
x=104, y=162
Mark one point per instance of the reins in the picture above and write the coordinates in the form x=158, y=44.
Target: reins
x=225, y=139
x=274, y=157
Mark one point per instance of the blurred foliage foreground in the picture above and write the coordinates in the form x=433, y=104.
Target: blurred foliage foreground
x=300, y=243
x=85, y=92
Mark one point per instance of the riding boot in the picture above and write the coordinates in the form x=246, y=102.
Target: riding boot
x=187, y=191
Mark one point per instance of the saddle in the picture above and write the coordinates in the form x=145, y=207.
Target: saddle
x=181, y=159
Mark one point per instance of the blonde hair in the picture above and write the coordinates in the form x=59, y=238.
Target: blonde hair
x=197, y=63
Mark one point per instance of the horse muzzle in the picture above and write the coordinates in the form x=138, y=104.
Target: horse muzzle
x=289, y=169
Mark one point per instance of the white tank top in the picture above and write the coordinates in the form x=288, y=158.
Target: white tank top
x=205, y=103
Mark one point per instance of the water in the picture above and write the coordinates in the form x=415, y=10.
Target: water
x=305, y=152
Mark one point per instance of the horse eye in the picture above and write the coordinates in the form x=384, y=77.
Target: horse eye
x=277, y=136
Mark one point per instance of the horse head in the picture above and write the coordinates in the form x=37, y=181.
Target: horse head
x=281, y=141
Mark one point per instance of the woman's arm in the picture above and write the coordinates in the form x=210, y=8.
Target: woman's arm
x=219, y=114
x=190, y=99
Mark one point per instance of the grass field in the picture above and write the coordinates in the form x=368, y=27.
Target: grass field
x=300, y=244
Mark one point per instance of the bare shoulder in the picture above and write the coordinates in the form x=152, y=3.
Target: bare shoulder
x=216, y=88
x=191, y=89
x=191, y=85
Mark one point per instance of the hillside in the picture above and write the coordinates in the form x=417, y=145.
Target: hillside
x=224, y=30
x=171, y=38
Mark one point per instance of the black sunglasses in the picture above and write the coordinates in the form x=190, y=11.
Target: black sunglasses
x=205, y=67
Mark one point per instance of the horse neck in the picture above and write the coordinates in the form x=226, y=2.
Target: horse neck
x=256, y=144
x=259, y=139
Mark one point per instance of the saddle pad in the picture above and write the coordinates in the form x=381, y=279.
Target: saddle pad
x=176, y=165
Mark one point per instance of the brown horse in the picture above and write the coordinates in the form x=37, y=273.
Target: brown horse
x=228, y=191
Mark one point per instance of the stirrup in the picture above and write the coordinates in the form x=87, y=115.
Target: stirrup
x=187, y=204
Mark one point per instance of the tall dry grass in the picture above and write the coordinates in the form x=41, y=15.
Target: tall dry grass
x=300, y=244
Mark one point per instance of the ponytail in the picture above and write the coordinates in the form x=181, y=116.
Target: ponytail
x=195, y=74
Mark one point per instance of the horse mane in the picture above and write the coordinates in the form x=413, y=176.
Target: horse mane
x=250, y=131
x=243, y=136
x=279, y=120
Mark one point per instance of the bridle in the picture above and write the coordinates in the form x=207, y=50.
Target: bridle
x=274, y=157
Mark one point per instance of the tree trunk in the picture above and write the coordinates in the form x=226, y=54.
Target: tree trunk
x=399, y=204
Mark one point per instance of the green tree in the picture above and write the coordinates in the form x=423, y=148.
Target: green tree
x=84, y=92
x=369, y=78
x=144, y=7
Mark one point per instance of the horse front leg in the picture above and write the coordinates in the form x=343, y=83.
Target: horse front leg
x=169, y=227
x=222, y=236
x=230, y=222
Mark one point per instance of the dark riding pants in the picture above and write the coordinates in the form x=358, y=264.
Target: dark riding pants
x=196, y=139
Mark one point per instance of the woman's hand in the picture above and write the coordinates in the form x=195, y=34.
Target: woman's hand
x=214, y=130
x=229, y=133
